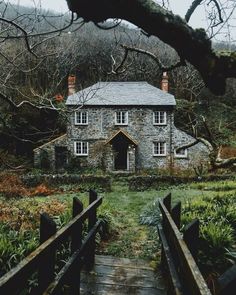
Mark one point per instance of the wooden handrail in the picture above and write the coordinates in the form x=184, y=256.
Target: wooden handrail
x=16, y=279
x=188, y=272
x=62, y=276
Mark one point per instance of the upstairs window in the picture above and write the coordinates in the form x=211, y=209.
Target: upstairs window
x=159, y=148
x=121, y=118
x=81, y=118
x=182, y=153
x=159, y=118
x=81, y=148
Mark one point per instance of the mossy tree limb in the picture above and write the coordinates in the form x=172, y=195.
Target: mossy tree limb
x=191, y=45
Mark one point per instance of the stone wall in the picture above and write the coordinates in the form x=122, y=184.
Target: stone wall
x=101, y=126
x=49, y=150
x=196, y=155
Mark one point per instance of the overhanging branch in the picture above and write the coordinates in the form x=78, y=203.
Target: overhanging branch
x=191, y=45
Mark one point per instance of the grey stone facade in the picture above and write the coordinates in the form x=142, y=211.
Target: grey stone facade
x=131, y=145
x=101, y=126
x=47, y=153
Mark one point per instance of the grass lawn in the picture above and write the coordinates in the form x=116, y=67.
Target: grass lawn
x=126, y=237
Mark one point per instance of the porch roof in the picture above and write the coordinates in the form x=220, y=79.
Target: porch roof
x=61, y=137
x=125, y=134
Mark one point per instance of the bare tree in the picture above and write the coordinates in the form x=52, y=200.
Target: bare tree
x=191, y=45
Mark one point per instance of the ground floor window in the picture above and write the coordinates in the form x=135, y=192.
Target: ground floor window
x=81, y=148
x=159, y=148
x=181, y=153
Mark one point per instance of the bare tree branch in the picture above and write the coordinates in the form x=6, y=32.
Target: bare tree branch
x=191, y=9
x=191, y=45
x=128, y=49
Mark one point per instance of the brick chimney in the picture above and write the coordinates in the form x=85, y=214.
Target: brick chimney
x=71, y=84
x=165, y=82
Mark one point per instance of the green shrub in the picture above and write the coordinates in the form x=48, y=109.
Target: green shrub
x=217, y=216
x=215, y=238
x=14, y=246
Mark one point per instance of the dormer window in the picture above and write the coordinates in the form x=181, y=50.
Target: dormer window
x=159, y=118
x=121, y=118
x=81, y=118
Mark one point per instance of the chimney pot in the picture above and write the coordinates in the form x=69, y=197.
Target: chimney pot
x=165, y=82
x=71, y=84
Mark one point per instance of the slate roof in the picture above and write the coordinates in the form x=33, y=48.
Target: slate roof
x=121, y=93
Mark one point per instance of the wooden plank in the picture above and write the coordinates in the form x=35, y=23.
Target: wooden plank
x=19, y=275
x=76, y=242
x=76, y=237
x=106, y=289
x=124, y=278
x=121, y=275
x=92, y=218
x=227, y=282
x=48, y=228
x=176, y=214
x=167, y=202
x=191, y=237
x=193, y=277
x=117, y=261
x=173, y=277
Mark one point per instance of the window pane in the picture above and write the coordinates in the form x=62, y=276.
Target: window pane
x=159, y=148
x=84, y=118
x=162, y=117
x=121, y=117
x=84, y=148
x=162, y=148
x=77, y=116
x=159, y=117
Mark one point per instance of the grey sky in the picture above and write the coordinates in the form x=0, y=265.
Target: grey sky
x=178, y=6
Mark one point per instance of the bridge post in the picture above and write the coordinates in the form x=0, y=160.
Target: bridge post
x=47, y=264
x=76, y=238
x=176, y=214
x=90, y=255
x=76, y=242
x=191, y=237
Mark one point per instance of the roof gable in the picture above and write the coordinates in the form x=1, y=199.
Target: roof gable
x=125, y=134
x=121, y=93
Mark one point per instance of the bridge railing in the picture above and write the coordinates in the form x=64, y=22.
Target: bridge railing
x=179, y=252
x=180, y=256
x=42, y=261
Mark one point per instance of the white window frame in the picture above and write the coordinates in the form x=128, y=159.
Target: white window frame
x=158, y=116
x=79, y=118
x=82, y=144
x=159, y=149
x=181, y=156
x=126, y=117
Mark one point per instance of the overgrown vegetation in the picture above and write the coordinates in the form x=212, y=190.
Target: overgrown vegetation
x=217, y=215
x=214, y=204
x=128, y=218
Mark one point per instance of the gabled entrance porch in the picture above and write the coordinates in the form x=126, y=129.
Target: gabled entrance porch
x=123, y=151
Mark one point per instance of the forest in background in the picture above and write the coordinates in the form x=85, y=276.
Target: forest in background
x=29, y=112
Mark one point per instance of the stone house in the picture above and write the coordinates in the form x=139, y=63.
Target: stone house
x=124, y=126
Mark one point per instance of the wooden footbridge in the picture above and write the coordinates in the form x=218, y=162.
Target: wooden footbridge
x=121, y=276
x=87, y=274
